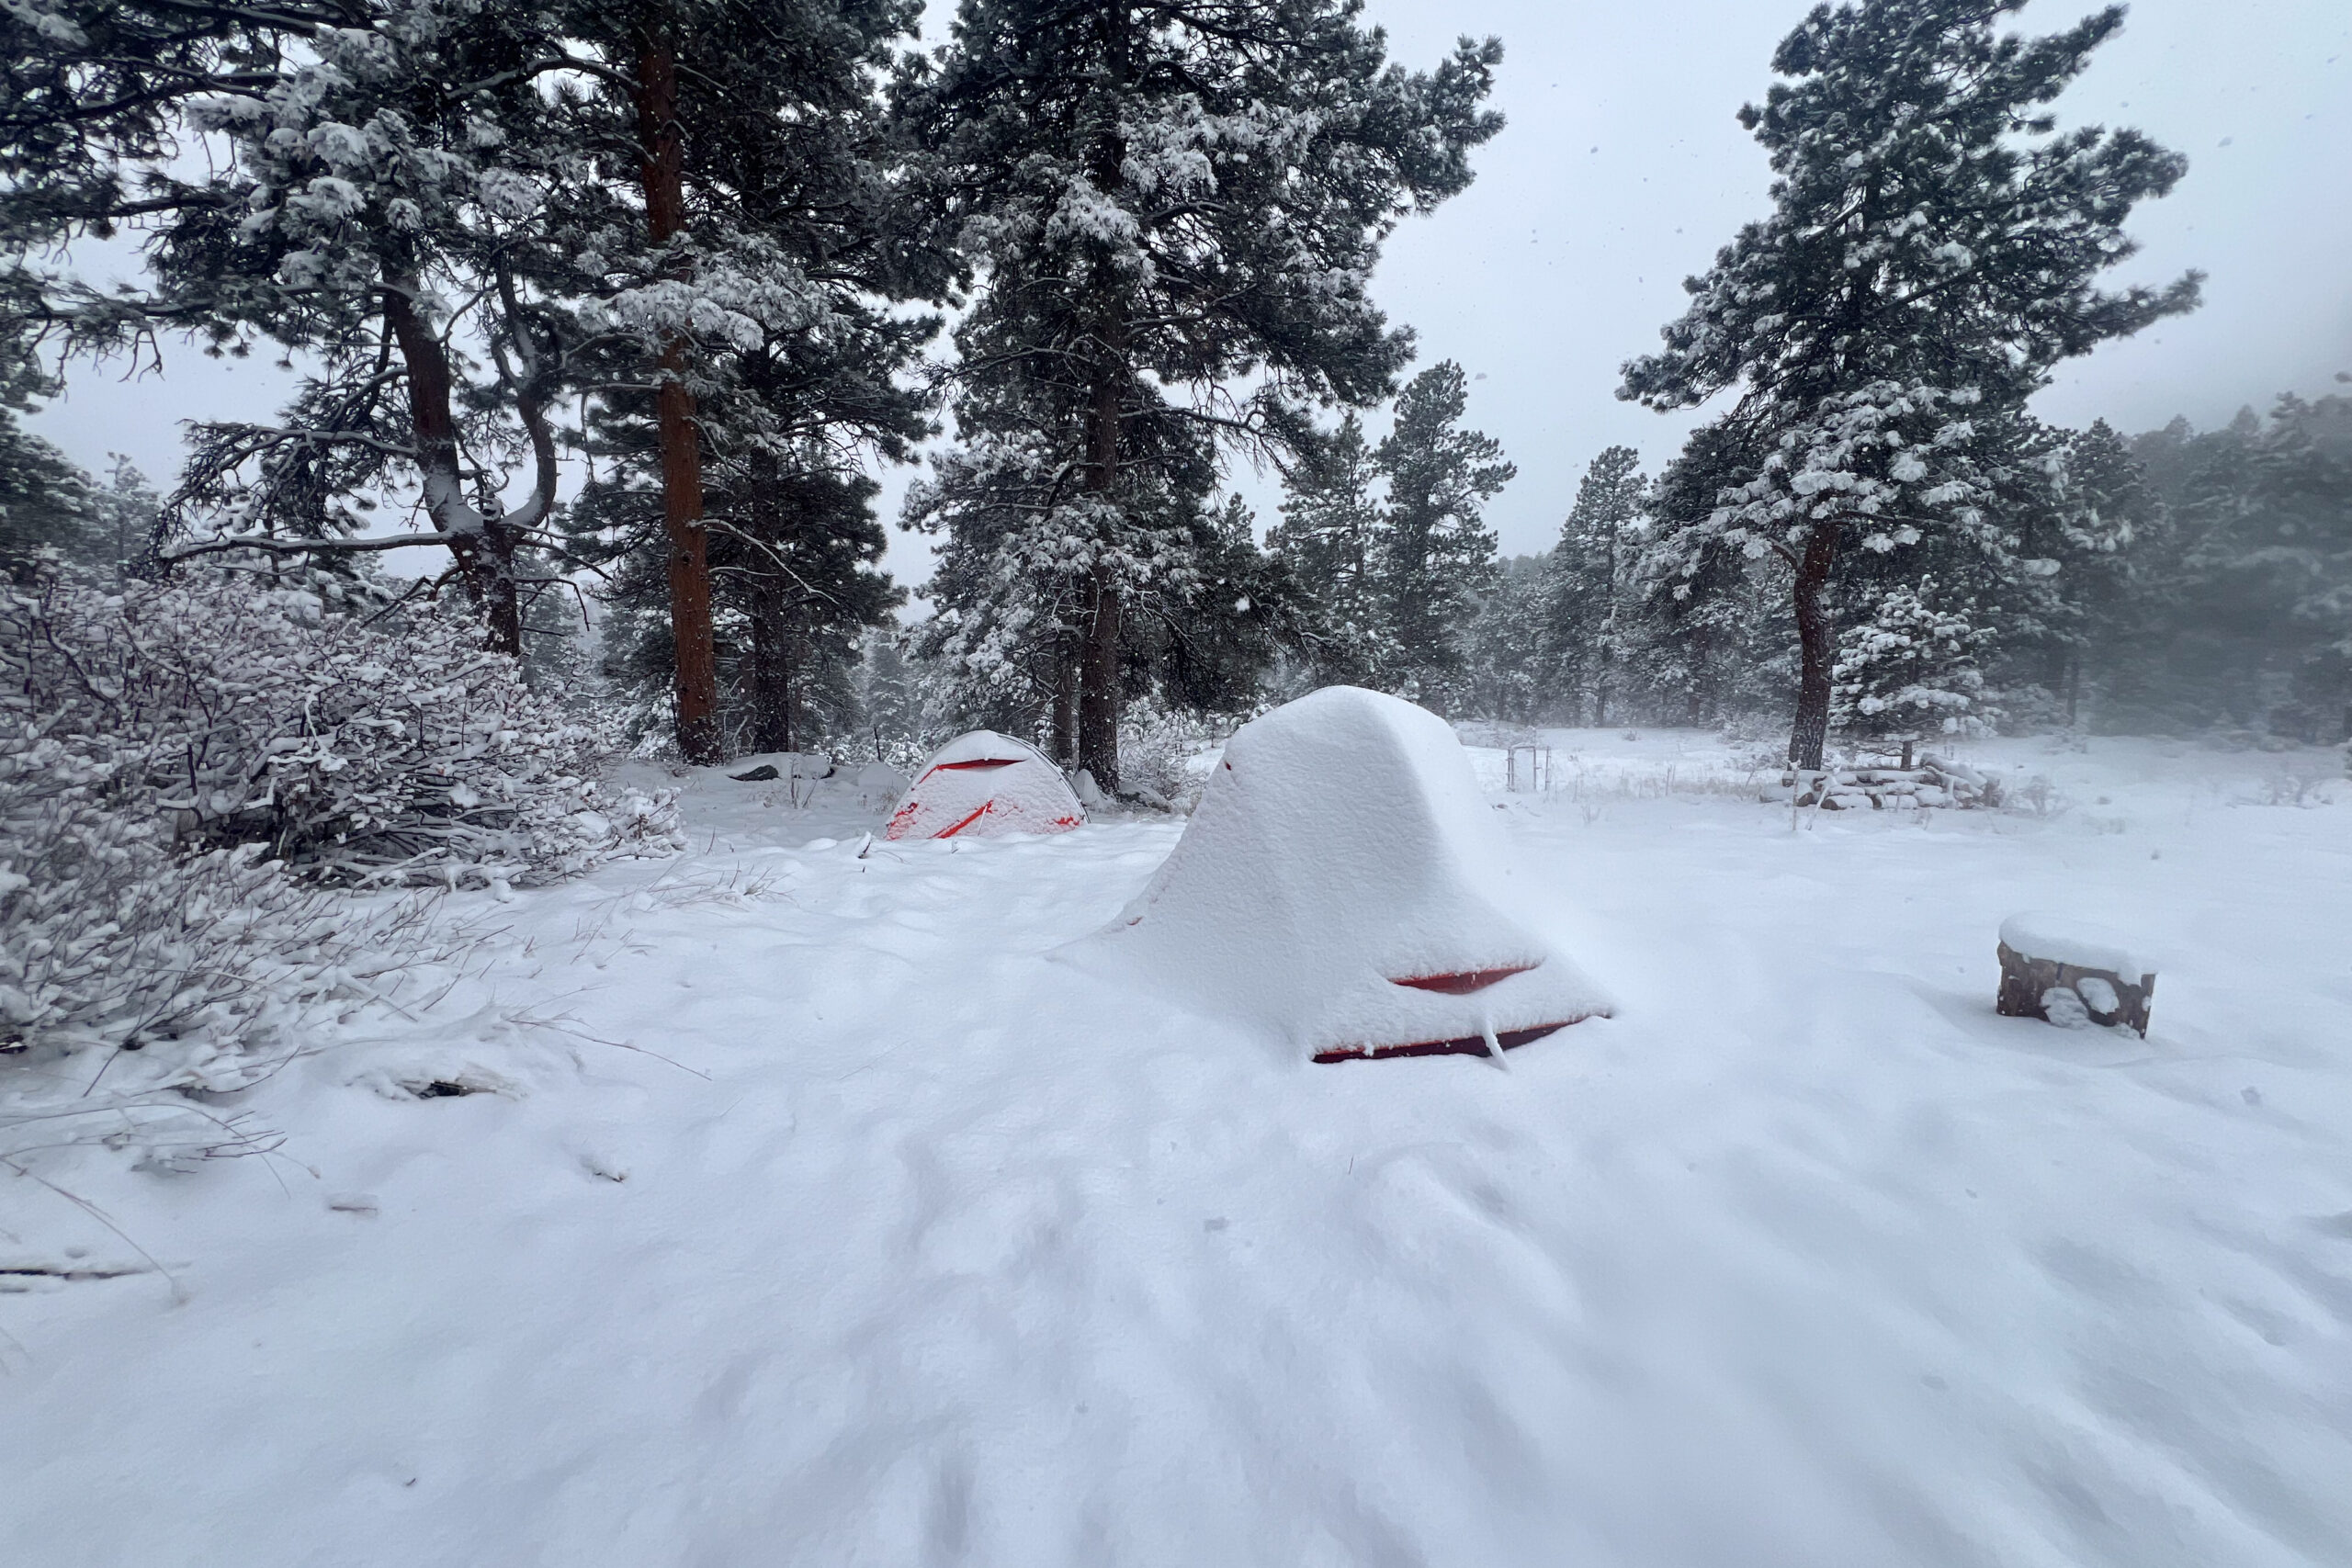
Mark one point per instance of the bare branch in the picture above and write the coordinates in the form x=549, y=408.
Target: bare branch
x=303, y=547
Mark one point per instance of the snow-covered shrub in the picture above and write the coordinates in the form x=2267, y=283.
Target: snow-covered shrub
x=110, y=938
x=1155, y=751
x=185, y=765
x=2038, y=796
x=356, y=748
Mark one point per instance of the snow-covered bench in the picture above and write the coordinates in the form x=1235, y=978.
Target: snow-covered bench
x=2065, y=971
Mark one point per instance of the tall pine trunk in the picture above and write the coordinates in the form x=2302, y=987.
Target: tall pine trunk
x=664, y=174
x=1065, y=718
x=1816, y=647
x=1097, y=659
x=1608, y=638
x=484, y=549
x=1098, y=674
x=772, y=648
x=1703, y=701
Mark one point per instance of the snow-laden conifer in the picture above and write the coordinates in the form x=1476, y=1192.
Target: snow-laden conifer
x=372, y=188
x=1172, y=210
x=1934, y=249
x=1591, y=573
x=1908, y=672
x=746, y=277
x=1437, y=553
x=1201, y=607
x=1331, y=539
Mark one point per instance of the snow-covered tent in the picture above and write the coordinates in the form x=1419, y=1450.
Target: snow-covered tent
x=983, y=785
x=1343, y=884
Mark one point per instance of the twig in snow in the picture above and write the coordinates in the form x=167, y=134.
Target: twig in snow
x=179, y=1292
x=566, y=1024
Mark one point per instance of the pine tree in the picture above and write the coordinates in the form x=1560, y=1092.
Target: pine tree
x=2109, y=518
x=788, y=404
x=1907, y=668
x=1173, y=208
x=796, y=586
x=1332, y=541
x=1209, y=650
x=422, y=196
x=804, y=573
x=2265, y=566
x=1438, y=554
x=769, y=220
x=1204, y=609
x=47, y=503
x=2186, y=652
x=1699, y=627
x=897, y=701
x=375, y=182
x=1591, y=569
x=1509, y=649
x=129, y=511
x=94, y=95
x=1009, y=584
x=1932, y=253
x=2014, y=575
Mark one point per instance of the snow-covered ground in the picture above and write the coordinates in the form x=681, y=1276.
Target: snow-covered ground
x=815, y=1215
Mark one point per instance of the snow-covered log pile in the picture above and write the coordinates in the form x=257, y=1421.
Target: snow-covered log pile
x=185, y=765
x=1935, y=783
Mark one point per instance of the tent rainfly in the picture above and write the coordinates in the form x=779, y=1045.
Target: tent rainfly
x=1343, y=884
x=982, y=786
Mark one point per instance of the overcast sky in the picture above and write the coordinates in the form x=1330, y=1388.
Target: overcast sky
x=1622, y=171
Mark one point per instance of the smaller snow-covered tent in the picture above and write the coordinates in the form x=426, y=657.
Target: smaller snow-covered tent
x=983, y=785
x=1343, y=884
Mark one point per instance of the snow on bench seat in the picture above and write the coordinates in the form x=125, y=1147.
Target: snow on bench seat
x=2063, y=939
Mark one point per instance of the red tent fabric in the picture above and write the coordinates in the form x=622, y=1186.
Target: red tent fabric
x=983, y=785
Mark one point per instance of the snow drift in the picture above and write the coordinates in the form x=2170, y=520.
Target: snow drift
x=1343, y=884
x=983, y=785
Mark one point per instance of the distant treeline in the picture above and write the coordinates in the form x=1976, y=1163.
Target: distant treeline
x=2171, y=581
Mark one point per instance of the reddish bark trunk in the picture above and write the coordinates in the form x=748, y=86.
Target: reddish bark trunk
x=664, y=174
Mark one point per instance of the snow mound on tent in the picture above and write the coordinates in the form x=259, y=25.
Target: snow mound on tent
x=1345, y=885
x=981, y=785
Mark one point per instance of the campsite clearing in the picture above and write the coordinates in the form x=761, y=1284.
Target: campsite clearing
x=801, y=1208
